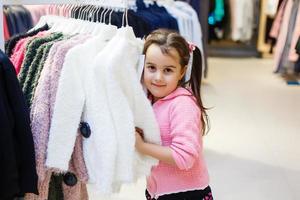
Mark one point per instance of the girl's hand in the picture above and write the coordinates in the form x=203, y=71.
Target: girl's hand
x=139, y=139
x=162, y=153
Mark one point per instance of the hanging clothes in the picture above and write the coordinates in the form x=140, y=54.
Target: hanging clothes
x=288, y=33
x=146, y=18
x=189, y=25
x=41, y=114
x=11, y=43
x=18, y=55
x=37, y=11
x=91, y=96
x=18, y=173
x=196, y=4
x=45, y=71
x=18, y=19
x=5, y=29
x=242, y=19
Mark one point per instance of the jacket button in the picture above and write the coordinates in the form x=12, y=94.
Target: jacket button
x=70, y=179
x=85, y=129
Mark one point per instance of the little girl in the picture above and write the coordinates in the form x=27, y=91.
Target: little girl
x=181, y=173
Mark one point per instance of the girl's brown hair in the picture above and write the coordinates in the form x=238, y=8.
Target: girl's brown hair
x=167, y=40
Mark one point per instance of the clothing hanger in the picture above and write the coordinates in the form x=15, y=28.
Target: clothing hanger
x=109, y=19
x=99, y=25
x=85, y=26
x=103, y=28
x=125, y=18
x=104, y=17
x=63, y=9
x=72, y=8
x=69, y=9
x=101, y=15
x=80, y=11
x=77, y=23
x=96, y=8
x=57, y=9
x=84, y=12
x=89, y=13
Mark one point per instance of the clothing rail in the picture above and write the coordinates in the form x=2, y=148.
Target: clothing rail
x=106, y=3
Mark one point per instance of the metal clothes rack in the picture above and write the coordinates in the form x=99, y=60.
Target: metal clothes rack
x=106, y=3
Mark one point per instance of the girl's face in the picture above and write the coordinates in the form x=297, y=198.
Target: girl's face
x=162, y=72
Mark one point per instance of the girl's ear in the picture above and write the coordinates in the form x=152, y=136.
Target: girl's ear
x=183, y=70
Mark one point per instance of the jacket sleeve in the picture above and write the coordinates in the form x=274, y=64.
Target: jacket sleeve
x=66, y=114
x=143, y=114
x=185, y=132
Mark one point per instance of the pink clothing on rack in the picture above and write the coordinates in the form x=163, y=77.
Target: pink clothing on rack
x=178, y=117
x=293, y=56
x=36, y=12
x=274, y=32
x=232, y=17
x=282, y=33
x=19, y=50
x=5, y=27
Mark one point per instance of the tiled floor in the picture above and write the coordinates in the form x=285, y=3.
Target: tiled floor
x=253, y=147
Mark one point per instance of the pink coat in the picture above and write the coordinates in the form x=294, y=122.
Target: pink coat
x=293, y=56
x=180, y=127
x=274, y=32
x=282, y=34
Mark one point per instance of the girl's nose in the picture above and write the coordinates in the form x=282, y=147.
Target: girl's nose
x=158, y=76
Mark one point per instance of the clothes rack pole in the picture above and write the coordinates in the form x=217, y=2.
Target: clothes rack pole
x=107, y=3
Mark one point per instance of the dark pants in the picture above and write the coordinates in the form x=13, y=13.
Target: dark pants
x=204, y=194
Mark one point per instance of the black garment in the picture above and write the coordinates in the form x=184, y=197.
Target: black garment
x=143, y=21
x=298, y=46
x=17, y=169
x=55, y=188
x=203, y=16
x=156, y=16
x=18, y=18
x=204, y=194
x=11, y=43
x=297, y=66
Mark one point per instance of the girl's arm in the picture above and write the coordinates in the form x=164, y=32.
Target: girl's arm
x=162, y=153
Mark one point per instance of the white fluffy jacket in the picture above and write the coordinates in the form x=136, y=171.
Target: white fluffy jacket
x=99, y=85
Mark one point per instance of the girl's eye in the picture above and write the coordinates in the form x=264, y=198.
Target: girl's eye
x=151, y=68
x=168, y=70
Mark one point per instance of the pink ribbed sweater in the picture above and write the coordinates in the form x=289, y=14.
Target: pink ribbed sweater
x=180, y=127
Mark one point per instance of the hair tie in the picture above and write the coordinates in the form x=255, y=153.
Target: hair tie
x=192, y=47
x=188, y=72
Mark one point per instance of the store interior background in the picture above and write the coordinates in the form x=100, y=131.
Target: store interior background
x=252, y=148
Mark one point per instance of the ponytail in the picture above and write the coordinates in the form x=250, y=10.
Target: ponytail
x=195, y=84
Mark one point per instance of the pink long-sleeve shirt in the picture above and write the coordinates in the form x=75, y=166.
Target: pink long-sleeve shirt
x=178, y=117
